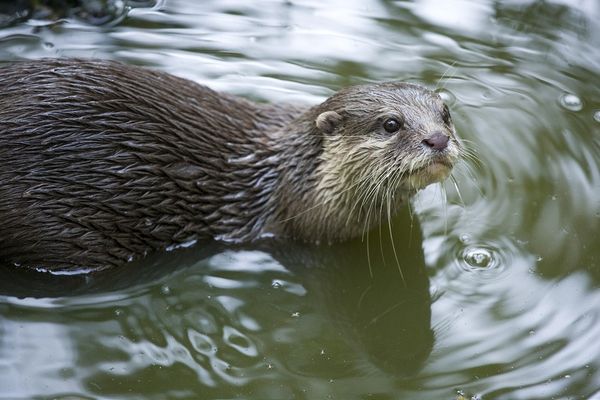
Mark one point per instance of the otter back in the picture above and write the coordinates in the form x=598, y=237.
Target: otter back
x=103, y=162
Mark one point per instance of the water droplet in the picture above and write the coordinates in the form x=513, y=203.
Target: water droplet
x=446, y=96
x=479, y=258
x=118, y=312
x=295, y=314
x=567, y=376
x=571, y=102
x=166, y=290
x=532, y=332
x=539, y=258
x=465, y=238
x=276, y=284
x=597, y=116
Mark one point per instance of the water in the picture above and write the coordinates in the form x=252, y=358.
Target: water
x=500, y=295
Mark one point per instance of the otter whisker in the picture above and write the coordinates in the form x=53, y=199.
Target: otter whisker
x=443, y=75
x=455, y=184
x=444, y=199
x=369, y=256
x=410, y=213
x=389, y=220
x=372, y=200
x=319, y=204
x=384, y=312
x=467, y=170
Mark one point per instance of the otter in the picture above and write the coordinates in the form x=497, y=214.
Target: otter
x=103, y=162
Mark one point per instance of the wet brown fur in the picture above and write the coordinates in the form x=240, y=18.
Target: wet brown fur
x=103, y=162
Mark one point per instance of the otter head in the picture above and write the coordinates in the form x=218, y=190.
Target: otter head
x=380, y=143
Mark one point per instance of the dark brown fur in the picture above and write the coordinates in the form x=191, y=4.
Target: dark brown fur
x=103, y=162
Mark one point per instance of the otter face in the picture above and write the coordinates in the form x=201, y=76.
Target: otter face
x=384, y=141
x=392, y=133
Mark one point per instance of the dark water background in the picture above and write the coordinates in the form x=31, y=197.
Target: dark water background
x=501, y=290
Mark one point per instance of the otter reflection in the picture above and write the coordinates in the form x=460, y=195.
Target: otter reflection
x=386, y=313
x=375, y=316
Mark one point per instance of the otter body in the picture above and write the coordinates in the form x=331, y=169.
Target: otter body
x=101, y=163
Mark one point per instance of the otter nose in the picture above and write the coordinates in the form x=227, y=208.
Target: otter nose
x=437, y=141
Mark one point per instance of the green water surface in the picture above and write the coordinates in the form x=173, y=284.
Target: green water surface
x=486, y=289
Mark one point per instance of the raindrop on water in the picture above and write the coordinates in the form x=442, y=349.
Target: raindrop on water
x=571, y=102
x=479, y=258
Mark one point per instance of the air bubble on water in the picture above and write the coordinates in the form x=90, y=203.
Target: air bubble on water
x=166, y=290
x=597, y=116
x=295, y=314
x=465, y=238
x=48, y=45
x=571, y=102
x=118, y=312
x=478, y=257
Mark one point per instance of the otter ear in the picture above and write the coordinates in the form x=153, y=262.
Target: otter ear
x=327, y=121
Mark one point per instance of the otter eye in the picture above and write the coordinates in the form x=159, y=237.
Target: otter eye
x=391, y=125
x=446, y=115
